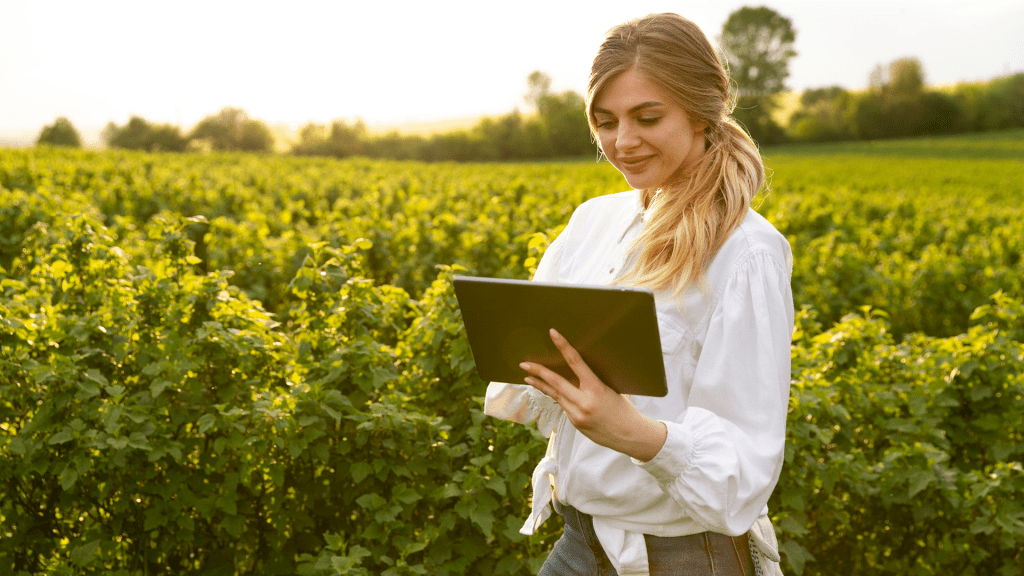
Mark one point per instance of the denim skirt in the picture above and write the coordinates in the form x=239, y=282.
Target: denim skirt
x=578, y=552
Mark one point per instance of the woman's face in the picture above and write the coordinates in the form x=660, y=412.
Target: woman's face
x=643, y=132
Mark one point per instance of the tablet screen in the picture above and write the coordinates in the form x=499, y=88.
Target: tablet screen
x=615, y=330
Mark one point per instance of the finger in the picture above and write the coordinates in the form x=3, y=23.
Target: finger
x=576, y=363
x=542, y=386
x=546, y=380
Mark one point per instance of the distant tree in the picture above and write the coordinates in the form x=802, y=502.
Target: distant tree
x=822, y=115
x=167, y=138
x=255, y=136
x=898, y=105
x=340, y=140
x=346, y=140
x=232, y=129
x=906, y=80
x=538, y=85
x=138, y=134
x=563, y=118
x=758, y=44
x=61, y=133
x=312, y=141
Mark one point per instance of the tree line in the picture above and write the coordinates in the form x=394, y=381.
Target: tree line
x=757, y=43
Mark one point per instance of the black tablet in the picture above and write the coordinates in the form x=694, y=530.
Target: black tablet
x=615, y=330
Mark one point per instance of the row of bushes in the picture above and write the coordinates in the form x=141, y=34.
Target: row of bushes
x=158, y=421
x=158, y=415
x=833, y=114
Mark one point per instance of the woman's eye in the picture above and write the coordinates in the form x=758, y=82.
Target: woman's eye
x=648, y=121
x=606, y=124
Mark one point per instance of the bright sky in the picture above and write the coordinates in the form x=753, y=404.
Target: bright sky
x=393, y=62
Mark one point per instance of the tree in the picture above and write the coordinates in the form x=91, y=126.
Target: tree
x=563, y=117
x=906, y=80
x=232, y=129
x=823, y=115
x=61, y=133
x=758, y=45
x=138, y=134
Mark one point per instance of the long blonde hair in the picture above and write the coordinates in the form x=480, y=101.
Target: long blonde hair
x=689, y=217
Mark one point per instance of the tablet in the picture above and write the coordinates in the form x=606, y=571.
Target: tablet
x=615, y=330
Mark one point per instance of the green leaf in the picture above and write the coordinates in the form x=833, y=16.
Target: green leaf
x=61, y=437
x=154, y=519
x=404, y=493
x=919, y=480
x=85, y=554
x=157, y=387
x=88, y=390
x=206, y=421
x=96, y=377
x=792, y=526
x=796, y=555
x=68, y=477
x=334, y=541
x=115, y=390
x=484, y=519
x=371, y=501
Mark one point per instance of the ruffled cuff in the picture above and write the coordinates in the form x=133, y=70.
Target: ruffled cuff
x=523, y=404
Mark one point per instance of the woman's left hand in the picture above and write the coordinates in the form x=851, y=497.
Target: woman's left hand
x=600, y=413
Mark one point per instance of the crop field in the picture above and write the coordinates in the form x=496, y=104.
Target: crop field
x=244, y=364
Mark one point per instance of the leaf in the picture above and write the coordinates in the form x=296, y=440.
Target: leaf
x=484, y=519
x=371, y=501
x=154, y=519
x=404, y=493
x=68, y=477
x=796, y=555
x=96, y=377
x=61, y=437
x=792, y=526
x=334, y=541
x=88, y=390
x=85, y=554
x=115, y=390
x=919, y=480
x=206, y=421
x=360, y=470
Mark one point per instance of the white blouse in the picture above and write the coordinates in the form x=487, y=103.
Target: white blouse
x=726, y=350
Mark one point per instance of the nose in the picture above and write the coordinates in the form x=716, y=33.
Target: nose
x=627, y=137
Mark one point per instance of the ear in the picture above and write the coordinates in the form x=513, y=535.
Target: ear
x=699, y=126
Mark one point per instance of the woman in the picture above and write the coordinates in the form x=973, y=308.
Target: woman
x=677, y=484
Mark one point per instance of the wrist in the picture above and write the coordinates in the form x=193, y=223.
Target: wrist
x=647, y=439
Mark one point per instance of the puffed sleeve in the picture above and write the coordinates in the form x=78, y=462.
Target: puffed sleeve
x=520, y=402
x=721, y=461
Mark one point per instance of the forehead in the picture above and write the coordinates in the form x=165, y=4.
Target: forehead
x=626, y=91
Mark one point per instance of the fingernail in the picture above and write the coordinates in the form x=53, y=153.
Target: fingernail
x=555, y=334
x=524, y=365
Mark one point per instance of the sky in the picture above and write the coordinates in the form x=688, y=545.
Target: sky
x=392, y=63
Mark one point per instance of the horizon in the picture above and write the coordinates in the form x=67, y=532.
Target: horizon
x=177, y=65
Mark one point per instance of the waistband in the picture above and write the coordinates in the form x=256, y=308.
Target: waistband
x=673, y=547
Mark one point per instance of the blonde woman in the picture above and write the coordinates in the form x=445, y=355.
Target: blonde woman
x=678, y=484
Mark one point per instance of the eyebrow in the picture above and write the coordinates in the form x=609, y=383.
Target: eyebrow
x=638, y=107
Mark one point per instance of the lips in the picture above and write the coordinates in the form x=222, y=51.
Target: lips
x=635, y=163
